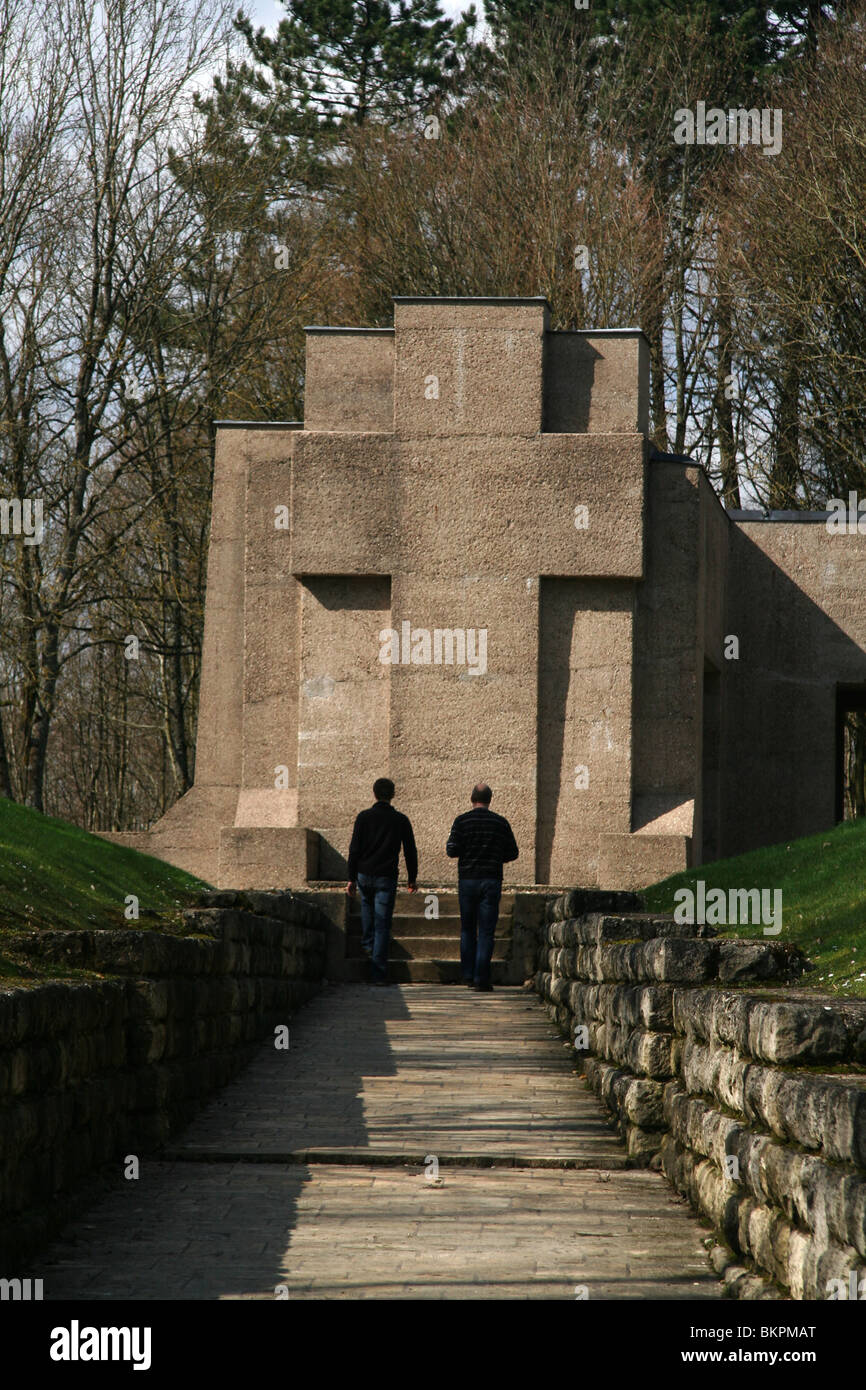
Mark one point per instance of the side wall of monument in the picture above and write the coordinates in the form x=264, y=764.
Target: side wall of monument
x=796, y=607
x=247, y=717
x=678, y=625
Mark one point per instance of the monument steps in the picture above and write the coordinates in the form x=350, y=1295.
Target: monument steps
x=416, y=904
x=425, y=950
x=408, y=928
x=423, y=972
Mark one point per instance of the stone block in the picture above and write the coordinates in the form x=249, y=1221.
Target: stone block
x=635, y=861
x=271, y=857
x=643, y=1103
x=580, y=901
x=796, y=1033
x=746, y=960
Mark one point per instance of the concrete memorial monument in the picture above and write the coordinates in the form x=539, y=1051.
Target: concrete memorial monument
x=470, y=562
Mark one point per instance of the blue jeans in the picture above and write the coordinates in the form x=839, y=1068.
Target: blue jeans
x=377, y=909
x=479, y=912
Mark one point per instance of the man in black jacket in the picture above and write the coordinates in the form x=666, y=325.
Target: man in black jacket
x=374, y=858
x=481, y=842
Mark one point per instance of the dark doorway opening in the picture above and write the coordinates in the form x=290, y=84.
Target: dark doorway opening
x=850, y=752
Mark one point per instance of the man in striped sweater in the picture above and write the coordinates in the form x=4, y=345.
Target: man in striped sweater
x=481, y=842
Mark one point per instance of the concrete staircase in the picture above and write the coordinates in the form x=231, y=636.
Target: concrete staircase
x=426, y=949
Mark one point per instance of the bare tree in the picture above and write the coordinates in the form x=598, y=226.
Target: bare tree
x=798, y=271
x=85, y=264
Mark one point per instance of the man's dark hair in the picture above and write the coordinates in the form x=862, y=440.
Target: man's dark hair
x=481, y=793
x=383, y=789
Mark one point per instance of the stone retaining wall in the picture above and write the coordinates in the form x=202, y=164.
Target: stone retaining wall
x=94, y=1070
x=752, y=1101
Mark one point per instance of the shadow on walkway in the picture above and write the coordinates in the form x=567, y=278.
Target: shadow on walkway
x=211, y=1230
x=308, y=1171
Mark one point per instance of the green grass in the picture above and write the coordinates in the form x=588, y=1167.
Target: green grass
x=54, y=875
x=823, y=900
x=18, y=971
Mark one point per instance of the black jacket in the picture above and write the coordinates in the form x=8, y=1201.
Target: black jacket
x=376, y=839
x=481, y=842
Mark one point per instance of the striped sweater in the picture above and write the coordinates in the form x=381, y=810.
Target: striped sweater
x=481, y=842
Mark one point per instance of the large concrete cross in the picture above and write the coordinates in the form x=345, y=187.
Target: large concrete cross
x=466, y=479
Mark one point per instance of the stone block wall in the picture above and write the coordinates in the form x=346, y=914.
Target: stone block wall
x=93, y=1070
x=752, y=1101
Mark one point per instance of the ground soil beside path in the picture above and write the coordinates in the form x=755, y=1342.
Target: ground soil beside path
x=309, y=1174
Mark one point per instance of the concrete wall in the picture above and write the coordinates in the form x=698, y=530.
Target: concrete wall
x=247, y=716
x=597, y=382
x=714, y=541
x=96, y=1070
x=666, y=686
x=435, y=483
x=584, y=722
x=796, y=604
x=349, y=379
x=667, y=676
x=740, y=1095
x=344, y=706
x=470, y=471
x=457, y=514
x=270, y=660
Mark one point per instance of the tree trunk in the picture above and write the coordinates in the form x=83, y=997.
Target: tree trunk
x=723, y=406
x=5, y=778
x=653, y=326
x=855, y=769
x=786, y=464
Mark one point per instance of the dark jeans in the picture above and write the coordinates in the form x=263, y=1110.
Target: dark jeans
x=377, y=909
x=479, y=911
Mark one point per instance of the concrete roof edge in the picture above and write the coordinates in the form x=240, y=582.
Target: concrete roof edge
x=598, y=332
x=756, y=514
x=259, y=424
x=336, y=328
x=658, y=457
x=469, y=299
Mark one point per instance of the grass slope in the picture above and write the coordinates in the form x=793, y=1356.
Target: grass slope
x=823, y=900
x=54, y=875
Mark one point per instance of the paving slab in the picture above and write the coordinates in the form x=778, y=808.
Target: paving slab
x=311, y=1177
x=221, y=1231
x=411, y=1070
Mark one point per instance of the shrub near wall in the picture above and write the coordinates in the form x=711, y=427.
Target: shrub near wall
x=753, y=1102
x=93, y=1070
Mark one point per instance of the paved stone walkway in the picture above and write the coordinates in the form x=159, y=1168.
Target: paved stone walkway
x=408, y=1071
x=309, y=1173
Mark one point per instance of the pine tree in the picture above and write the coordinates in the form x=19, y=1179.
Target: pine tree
x=515, y=23
x=334, y=65
x=766, y=34
x=338, y=61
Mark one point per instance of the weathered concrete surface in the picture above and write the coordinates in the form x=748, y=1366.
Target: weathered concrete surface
x=375, y=1082
x=224, y=1231
x=471, y=471
x=368, y=518
x=412, y=1070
